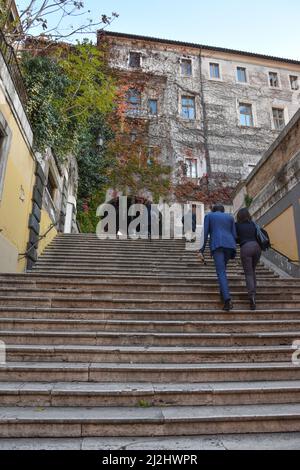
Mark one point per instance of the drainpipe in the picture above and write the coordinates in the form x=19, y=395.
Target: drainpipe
x=204, y=119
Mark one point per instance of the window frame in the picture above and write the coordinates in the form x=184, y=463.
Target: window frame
x=278, y=77
x=218, y=79
x=186, y=59
x=253, y=116
x=140, y=56
x=133, y=108
x=190, y=97
x=284, y=112
x=5, y=144
x=191, y=160
x=149, y=108
x=298, y=82
x=246, y=75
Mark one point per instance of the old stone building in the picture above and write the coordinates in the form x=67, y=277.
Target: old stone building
x=216, y=110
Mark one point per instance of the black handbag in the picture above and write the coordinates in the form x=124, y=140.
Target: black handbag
x=262, y=238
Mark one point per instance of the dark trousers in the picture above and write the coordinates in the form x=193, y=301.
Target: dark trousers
x=250, y=256
x=221, y=257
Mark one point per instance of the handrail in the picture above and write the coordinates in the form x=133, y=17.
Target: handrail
x=12, y=64
x=24, y=255
x=288, y=259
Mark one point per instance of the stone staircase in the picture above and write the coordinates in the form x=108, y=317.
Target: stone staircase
x=127, y=339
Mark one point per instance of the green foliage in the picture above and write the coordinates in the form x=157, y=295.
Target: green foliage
x=248, y=200
x=87, y=208
x=47, y=86
x=93, y=162
x=144, y=404
x=64, y=90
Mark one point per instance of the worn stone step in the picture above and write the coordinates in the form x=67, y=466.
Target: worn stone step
x=33, y=281
x=70, y=302
x=51, y=371
x=116, y=293
x=87, y=288
x=135, y=262
x=159, y=421
x=147, y=395
x=180, y=326
x=70, y=278
x=118, y=338
x=145, y=273
x=141, y=354
x=254, y=441
x=148, y=314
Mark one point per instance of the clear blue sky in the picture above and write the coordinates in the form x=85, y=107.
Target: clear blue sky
x=263, y=26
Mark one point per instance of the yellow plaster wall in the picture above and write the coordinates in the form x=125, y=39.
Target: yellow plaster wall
x=16, y=203
x=16, y=200
x=282, y=232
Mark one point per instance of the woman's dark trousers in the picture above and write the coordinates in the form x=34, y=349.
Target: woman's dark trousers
x=250, y=256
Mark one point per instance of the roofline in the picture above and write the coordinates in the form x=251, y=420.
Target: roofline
x=196, y=46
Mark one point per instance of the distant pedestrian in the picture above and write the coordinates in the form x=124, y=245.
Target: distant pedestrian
x=189, y=221
x=250, y=251
x=221, y=229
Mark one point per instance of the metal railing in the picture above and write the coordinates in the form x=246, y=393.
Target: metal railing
x=12, y=64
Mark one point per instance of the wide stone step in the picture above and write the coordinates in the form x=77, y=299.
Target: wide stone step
x=141, y=290
x=103, y=338
x=207, y=326
x=34, y=281
x=158, y=421
x=148, y=314
x=173, y=373
x=142, y=354
x=145, y=273
x=91, y=279
x=204, y=303
x=147, y=395
x=254, y=441
x=116, y=293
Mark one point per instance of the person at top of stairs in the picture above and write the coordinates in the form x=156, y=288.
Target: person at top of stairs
x=220, y=227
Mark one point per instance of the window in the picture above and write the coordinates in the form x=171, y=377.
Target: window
x=188, y=107
x=186, y=67
x=278, y=118
x=5, y=141
x=241, y=74
x=133, y=135
x=246, y=116
x=134, y=101
x=273, y=79
x=294, y=82
x=152, y=107
x=214, y=71
x=134, y=59
x=51, y=185
x=191, y=168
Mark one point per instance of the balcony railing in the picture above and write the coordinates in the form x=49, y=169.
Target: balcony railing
x=11, y=62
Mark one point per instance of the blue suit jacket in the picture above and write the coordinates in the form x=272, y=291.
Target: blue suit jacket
x=221, y=229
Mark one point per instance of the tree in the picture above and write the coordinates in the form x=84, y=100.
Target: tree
x=207, y=189
x=136, y=168
x=49, y=19
x=65, y=90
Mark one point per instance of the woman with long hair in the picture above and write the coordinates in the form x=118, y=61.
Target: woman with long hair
x=250, y=251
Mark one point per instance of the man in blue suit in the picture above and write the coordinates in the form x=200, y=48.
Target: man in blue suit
x=221, y=229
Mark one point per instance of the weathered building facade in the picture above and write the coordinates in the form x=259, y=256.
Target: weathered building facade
x=273, y=188
x=37, y=192
x=215, y=110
